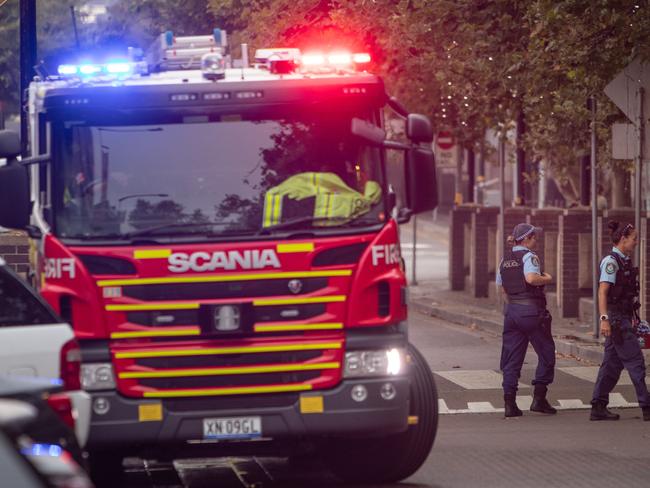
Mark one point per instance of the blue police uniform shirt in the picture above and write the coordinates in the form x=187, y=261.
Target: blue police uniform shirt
x=609, y=267
x=530, y=260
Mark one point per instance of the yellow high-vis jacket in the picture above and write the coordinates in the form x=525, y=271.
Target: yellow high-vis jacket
x=333, y=198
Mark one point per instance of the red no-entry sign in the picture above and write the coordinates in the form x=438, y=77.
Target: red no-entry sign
x=445, y=140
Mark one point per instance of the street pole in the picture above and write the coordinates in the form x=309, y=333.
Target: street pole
x=414, y=280
x=27, y=63
x=594, y=220
x=638, y=176
x=520, y=191
x=541, y=184
x=502, y=199
x=480, y=179
x=584, y=180
x=458, y=197
x=471, y=175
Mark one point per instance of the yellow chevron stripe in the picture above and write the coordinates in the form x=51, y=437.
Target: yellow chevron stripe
x=298, y=301
x=227, y=350
x=295, y=247
x=227, y=277
x=156, y=333
x=244, y=390
x=285, y=327
x=152, y=253
x=277, y=368
x=152, y=306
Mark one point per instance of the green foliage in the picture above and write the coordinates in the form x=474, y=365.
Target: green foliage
x=9, y=77
x=474, y=64
x=468, y=64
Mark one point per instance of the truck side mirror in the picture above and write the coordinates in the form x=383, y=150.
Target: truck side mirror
x=15, y=204
x=368, y=132
x=9, y=144
x=418, y=128
x=422, y=187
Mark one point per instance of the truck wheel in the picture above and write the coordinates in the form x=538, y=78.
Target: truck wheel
x=105, y=468
x=397, y=456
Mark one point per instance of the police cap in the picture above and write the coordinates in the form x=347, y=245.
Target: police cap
x=523, y=230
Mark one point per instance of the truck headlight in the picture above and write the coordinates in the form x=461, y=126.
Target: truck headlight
x=384, y=362
x=97, y=376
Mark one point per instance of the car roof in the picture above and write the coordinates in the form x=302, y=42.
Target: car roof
x=25, y=385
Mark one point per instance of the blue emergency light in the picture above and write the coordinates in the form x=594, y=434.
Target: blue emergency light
x=92, y=69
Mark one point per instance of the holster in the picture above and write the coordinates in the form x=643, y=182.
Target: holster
x=617, y=332
x=547, y=318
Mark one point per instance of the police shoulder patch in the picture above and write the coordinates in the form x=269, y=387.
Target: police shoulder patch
x=610, y=268
x=535, y=260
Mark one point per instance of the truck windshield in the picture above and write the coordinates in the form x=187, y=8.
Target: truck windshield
x=204, y=176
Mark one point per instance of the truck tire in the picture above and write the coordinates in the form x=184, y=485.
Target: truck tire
x=397, y=456
x=106, y=468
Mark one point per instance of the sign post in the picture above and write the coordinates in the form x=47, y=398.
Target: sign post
x=627, y=91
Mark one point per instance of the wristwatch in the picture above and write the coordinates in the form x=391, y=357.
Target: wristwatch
x=604, y=317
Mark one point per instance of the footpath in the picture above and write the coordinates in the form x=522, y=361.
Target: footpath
x=433, y=297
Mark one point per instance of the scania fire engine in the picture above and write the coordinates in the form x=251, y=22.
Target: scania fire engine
x=223, y=238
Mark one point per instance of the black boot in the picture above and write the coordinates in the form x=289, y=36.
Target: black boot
x=511, y=408
x=540, y=404
x=599, y=411
x=646, y=413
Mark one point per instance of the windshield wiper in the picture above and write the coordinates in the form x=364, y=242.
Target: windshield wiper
x=312, y=220
x=173, y=225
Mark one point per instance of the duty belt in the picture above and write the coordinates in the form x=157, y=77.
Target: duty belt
x=535, y=302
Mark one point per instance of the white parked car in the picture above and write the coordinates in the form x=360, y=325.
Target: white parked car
x=35, y=342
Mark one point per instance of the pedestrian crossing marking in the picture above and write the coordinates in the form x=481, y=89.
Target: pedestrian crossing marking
x=482, y=407
x=573, y=404
x=442, y=406
x=481, y=379
x=616, y=400
x=590, y=373
x=524, y=402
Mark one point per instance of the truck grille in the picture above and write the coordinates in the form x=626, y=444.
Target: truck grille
x=228, y=381
x=233, y=289
x=163, y=318
x=208, y=368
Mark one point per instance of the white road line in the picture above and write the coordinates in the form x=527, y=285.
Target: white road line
x=590, y=373
x=409, y=245
x=573, y=404
x=616, y=400
x=442, y=406
x=524, y=402
x=480, y=379
x=482, y=407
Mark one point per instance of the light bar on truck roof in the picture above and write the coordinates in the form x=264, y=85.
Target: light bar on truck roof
x=335, y=60
x=112, y=68
x=313, y=59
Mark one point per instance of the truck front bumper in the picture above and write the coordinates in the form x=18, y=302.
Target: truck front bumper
x=140, y=422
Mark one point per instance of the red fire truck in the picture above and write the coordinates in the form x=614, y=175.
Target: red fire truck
x=224, y=241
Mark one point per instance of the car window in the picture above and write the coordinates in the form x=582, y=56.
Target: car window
x=18, y=305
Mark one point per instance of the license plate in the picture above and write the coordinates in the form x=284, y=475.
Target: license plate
x=232, y=428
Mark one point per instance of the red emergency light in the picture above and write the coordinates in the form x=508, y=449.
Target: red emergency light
x=333, y=60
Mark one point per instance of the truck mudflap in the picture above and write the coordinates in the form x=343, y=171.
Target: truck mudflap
x=360, y=407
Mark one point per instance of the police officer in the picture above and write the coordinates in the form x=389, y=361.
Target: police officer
x=526, y=320
x=618, y=303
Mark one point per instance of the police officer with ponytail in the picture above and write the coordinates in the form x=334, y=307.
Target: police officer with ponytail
x=526, y=320
x=618, y=304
